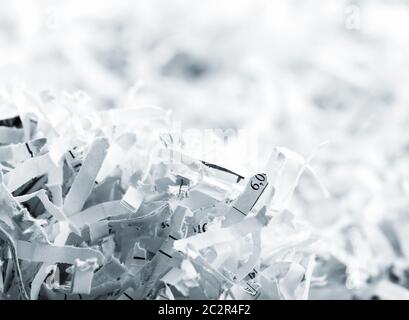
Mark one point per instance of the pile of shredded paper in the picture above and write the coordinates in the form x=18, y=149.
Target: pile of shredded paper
x=101, y=198
x=105, y=205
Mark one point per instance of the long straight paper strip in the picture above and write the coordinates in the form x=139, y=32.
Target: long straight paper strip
x=37, y=252
x=84, y=181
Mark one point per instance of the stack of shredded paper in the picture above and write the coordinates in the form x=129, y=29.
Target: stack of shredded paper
x=111, y=204
x=106, y=205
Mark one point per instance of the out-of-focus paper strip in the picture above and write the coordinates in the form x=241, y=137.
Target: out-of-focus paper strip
x=387, y=290
x=119, y=116
x=288, y=182
x=13, y=122
x=11, y=135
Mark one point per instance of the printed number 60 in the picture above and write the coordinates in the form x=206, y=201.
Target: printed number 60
x=258, y=181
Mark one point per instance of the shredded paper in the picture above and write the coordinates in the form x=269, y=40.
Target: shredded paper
x=102, y=196
x=106, y=206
